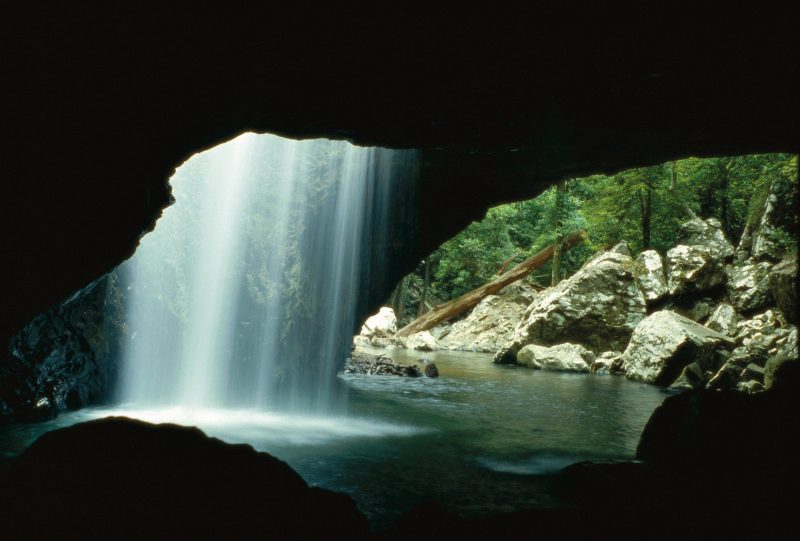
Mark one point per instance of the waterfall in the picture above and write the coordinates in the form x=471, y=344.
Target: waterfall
x=246, y=293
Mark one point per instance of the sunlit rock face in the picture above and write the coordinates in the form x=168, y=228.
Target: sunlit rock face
x=491, y=323
x=598, y=307
x=649, y=269
x=665, y=342
x=748, y=286
x=562, y=357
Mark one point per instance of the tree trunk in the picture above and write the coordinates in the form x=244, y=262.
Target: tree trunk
x=506, y=263
x=425, y=285
x=673, y=188
x=723, y=188
x=647, y=216
x=559, y=230
x=449, y=310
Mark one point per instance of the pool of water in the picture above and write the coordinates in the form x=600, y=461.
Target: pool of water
x=480, y=438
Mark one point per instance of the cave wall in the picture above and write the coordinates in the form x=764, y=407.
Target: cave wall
x=102, y=102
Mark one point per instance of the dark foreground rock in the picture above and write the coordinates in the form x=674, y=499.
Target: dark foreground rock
x=119, y=478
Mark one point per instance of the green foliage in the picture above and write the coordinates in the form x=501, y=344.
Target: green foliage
x=614, y=208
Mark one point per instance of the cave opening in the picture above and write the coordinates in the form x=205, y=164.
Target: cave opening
x=236, y=313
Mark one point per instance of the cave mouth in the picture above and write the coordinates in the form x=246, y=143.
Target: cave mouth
x=236, y=313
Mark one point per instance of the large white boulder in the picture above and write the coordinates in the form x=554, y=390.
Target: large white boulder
x=598, y=307
x=693, y=268
x=664, y=343
x=562, y=357
x=382, y=324
x=748, y=286
x=491, y=323
x=649, y=269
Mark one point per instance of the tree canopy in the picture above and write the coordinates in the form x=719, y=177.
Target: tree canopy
x=642, y=206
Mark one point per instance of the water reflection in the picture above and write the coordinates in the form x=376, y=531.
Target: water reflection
x=480, y=438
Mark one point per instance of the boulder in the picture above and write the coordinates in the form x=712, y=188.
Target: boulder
x=763, y=245
x=430, y=369
x=752, y=371
x=750, y=387
x=764, y=331
x=708, y=233
x=692, y=269
x=491, y=323
x=121, y=478
x=562, y=357
x=748, y=286
x=698, y=310
x=649, y=269
x=786, y=345
x=606, y=362
x=782, y=370
x=735, y=369
x=598, y=307
x=422, y=341
x=382, y=324
x=664, y=343
x=378, y=365
x=783, y=286
x=723, y=320
x=441, y=330
x=692, y=377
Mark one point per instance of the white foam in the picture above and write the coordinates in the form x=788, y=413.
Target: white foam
x=255, y=427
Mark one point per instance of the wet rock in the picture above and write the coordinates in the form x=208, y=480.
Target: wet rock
x=379, y=365
x=692, y=269
x=649, y=269
x=382, y=324
x=422, y=341
x=144, y=481
x=706, y=233
x=748, y=286
x=562, y=357
x=431, y=370
x=723, y=320
x=783, y=287
x=664, y=343
x=606, y=362
x=492, y=322
x=65, y=358
x=598, y=307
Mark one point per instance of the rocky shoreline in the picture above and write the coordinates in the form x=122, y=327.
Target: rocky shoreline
x=703, y=315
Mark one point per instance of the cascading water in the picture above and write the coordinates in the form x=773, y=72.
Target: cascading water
x=245, y=295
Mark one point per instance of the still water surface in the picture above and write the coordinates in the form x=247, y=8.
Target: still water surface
x=480, y=438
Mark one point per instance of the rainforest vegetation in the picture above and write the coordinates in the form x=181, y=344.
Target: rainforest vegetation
x=640, y=206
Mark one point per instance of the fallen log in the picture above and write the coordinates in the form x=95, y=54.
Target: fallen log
x=449, y=310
